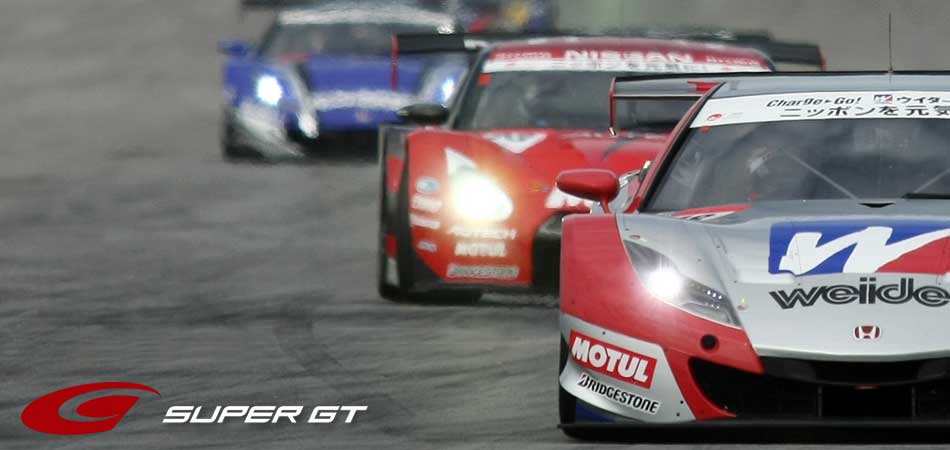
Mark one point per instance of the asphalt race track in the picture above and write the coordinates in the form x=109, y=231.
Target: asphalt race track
x=129, y=251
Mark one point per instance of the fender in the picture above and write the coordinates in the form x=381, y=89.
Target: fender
x=392, y=160
x=392, y=155
x=599, y=285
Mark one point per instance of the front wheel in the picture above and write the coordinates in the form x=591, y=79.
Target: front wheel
x=389, y=286
x=230, y=149
x=566, y=403
x=383, y=272
x=390, y=276
x=395, y=273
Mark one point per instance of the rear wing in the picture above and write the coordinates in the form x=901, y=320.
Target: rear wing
x=626, y=92
x=459, y=42
x=800, y=55
x=660, y=101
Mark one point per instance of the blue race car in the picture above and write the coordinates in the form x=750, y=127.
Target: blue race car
x=325, y=75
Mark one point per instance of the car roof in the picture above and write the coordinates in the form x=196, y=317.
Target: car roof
x=778, y=83
x=363, y=13
x=624, y=44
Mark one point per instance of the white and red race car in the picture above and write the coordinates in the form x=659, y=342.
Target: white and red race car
x=781, y=264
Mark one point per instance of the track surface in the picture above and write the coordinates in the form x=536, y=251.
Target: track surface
x=131, y=252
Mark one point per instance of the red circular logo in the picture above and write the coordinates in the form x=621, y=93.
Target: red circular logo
x=103, y=412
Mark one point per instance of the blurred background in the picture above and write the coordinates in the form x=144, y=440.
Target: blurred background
x=852, y=33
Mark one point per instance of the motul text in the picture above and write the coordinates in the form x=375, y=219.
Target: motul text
x=613, y=361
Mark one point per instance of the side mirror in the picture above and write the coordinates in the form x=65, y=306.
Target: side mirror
x=235, y=48
x=598, y=185
x=424, y=114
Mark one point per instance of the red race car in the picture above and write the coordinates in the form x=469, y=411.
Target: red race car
x=468, y=200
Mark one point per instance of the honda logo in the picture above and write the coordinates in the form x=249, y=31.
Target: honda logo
x=862, y=332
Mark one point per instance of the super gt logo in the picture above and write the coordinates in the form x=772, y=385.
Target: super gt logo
x=98, y=407
x=814, y=248
x=85, y=409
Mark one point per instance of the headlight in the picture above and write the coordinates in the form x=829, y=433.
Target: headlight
x=666, y=284
x=268, y=90
x=476, y=198
x=441, y=81
x=446, y=89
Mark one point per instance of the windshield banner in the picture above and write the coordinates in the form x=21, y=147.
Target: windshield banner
x=824, y=105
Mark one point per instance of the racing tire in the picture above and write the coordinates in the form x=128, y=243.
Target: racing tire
x=566, y=403
x=399, y=226
x=383, y=287
x=231, y=151
x=386, y=290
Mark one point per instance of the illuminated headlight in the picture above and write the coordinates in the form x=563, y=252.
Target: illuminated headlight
x=268, y=90
x=476, y=198
x=666, y=284
x=446, y=89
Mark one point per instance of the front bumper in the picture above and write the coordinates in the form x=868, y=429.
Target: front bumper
x=265, y=130
x=344, y=120
x=531, y=263
x=788, y=394
x=261, y=130
x=604, y=390
x=821, y=390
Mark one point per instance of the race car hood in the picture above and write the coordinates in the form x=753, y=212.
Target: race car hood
x=360, y=81
x=821, y=279
x=539, y=156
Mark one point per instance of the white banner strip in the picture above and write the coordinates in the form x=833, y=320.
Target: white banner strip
x=364, y=98
x=607, y=65
x=825, y=106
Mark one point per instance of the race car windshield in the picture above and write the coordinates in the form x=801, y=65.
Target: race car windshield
x=805, y=160
x=335, y=39
x=537, y=99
